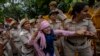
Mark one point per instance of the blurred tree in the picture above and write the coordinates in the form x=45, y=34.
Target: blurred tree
x=64, y=5
x=1, y=8
x=31, y=8
x=2, y=1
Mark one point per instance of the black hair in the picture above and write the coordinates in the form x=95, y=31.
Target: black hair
x=77, y=8
x=56, y=12
x=91, y=3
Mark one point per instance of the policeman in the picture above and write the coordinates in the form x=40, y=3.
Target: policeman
x=14, y=32
x=26, y=35
x=53, y=6
x=56, y=24
x=81, y=44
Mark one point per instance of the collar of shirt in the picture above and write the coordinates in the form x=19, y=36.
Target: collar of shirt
x=57, y=21
x=73, y=22
x=25, y=31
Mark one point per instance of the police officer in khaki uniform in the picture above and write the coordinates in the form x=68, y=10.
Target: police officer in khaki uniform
x=6, y=40
x=79, y=44
x=26, y=35
x=55, y=24
x=60, y=15
x=54, y=21
x=14, y=32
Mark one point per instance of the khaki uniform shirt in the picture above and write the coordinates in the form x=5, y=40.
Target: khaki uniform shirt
x=85, y=24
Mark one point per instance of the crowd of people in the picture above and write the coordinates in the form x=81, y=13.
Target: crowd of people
x=57, y=36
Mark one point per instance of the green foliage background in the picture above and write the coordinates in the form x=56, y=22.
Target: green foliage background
x=32, y=8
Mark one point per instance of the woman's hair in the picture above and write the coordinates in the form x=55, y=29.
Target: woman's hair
x=91, y=3
x=77, y=8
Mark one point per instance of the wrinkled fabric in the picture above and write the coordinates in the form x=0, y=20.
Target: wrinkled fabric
x=42, y=37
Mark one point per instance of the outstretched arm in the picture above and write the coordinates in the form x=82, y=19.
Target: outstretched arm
x=69, y=33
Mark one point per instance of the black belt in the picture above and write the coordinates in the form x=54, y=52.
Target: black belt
x=27, y=53
x=74, y=44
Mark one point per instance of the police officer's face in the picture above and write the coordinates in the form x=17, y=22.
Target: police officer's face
x=84, y=13
x=53, y=17
x=51, y=7
x=15, y=25
x=47, y=30
x=27, y=25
